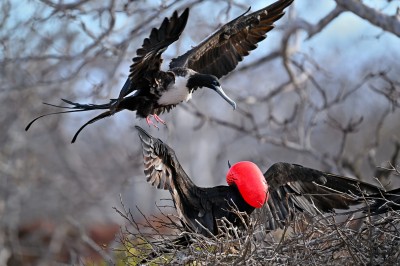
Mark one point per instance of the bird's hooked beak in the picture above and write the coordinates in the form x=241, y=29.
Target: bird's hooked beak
x=221, y=92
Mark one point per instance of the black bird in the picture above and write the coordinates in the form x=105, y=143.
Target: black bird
x=150, y=91
x=281, y=191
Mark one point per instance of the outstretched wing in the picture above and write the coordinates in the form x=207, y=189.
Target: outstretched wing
x=222, y=51
x=383, y=202
x=148, y=60
x=296, y=188
x=161, y=165
x=163, y=170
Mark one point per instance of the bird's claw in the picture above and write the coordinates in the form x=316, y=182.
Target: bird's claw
x=156, y=118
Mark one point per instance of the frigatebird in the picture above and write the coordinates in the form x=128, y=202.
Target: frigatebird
x=281, y=191
x=151, y=91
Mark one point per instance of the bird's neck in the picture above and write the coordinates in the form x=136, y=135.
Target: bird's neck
x=238, y=200
x=183, y=185
x=197, y=80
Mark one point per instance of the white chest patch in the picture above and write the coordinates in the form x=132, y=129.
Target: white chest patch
x=176, y=93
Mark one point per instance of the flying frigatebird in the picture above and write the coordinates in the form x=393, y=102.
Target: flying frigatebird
x=281, y=191
x=151, y=91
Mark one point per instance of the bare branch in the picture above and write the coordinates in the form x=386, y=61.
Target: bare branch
x=383, y=21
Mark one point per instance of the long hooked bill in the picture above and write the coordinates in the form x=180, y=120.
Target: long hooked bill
x=221, y=92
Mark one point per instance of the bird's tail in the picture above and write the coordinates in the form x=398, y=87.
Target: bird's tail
x=77, y=107
x=100, y=116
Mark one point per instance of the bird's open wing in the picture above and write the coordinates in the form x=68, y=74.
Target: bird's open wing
x=296, y=188
x=148, y=60
x=382, y=202
x=160, y=162
x=222, y=51
x=163, y=170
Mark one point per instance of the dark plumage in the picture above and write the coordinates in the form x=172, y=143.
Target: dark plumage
x=150, y=91
x=194, y=204
x=290, y=188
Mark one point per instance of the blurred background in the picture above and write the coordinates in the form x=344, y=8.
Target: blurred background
x=322, y=90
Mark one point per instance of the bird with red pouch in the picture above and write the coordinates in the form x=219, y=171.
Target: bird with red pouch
x=151, y=91
x=282, y=191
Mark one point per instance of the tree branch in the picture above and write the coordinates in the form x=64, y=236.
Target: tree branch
x=383, y=21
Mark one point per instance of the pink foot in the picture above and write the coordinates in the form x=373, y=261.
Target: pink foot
x=149, y=122
x=156, y=118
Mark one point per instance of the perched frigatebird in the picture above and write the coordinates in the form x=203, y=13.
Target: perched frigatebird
x=281, y=191
x=151, y=91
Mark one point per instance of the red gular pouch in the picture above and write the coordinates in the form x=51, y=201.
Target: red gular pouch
x=250, y=181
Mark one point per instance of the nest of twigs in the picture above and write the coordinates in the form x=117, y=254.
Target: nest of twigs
x=333, y=239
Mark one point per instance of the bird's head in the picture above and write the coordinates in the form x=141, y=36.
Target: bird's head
x=210, y=81
x=250, y=181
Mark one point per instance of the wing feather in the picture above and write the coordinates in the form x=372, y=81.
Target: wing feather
x=148, y=59
x=193, y=204
x=234, y=41
x=294, y=188
x=159, y=162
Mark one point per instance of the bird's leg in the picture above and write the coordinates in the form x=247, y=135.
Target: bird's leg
x=158, y=119
x=149, y=122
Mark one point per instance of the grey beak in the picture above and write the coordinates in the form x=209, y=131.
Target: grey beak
x=221, y=92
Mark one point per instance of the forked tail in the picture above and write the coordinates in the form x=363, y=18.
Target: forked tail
x=100, y=116
x=77, y=107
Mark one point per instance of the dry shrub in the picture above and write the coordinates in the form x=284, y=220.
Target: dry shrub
x=333, y=239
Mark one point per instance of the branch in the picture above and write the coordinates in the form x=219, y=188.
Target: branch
x=383, y=21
